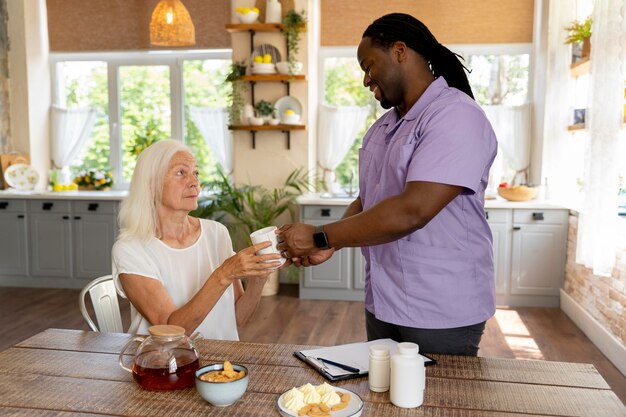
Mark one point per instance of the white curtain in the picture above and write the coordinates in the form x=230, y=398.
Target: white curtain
x=512, y=126
x=338, y=128
x=70, y=129
x=213, y=126
x=597, y=223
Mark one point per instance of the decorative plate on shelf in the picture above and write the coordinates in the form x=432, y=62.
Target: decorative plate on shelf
x=264, y=49
x=22, y=177
x=286, y=103
x=354, y=408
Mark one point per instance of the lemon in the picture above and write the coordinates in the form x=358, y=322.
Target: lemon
x=255, y=10
x=239, y=9
x=57, y=187
x=245, y=10
x=289, y=111
x=258, y=59
x=267, y=59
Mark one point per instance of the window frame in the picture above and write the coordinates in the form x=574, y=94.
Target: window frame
x=114, y=60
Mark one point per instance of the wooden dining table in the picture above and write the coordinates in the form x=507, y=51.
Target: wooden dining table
x=71, y=372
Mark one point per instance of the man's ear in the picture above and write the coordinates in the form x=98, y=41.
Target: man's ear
x=399, y=50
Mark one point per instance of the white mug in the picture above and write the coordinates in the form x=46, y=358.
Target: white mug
x=263, y=235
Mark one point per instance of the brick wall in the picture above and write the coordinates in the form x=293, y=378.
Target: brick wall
x=602, y=297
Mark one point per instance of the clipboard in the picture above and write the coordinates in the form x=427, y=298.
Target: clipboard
x=354, y=355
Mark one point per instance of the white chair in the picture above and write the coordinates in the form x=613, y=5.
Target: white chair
x=105, y=304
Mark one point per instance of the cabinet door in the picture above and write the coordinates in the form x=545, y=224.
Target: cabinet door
x=538, y=259
x=13, y=252
x=94, y=235
x=50, y=239
x=334, y=273
x=359, y=269
x=500, y=223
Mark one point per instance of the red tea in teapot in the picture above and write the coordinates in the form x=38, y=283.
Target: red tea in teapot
x=175, y=372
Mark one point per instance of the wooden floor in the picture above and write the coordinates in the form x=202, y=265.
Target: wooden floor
x=522, y=333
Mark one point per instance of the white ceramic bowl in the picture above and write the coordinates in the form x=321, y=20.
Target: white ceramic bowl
x=263, y=68
x=291, y=119
x=273, y=121
x=249, y=17
x=255, y=121
x=221, y=394
x=283, y=67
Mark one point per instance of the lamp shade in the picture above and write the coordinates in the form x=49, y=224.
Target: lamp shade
x=171, y=25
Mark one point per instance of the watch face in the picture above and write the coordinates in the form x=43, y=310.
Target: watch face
x=320, y=240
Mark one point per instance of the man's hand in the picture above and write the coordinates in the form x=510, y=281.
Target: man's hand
x=296, y=240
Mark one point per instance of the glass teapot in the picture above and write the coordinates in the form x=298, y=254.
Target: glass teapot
x=165, y=360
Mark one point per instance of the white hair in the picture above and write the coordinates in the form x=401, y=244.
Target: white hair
x=138, y=217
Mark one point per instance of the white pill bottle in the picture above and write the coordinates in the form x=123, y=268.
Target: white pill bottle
x=408, y=377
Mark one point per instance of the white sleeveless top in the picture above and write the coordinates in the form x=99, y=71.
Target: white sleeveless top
x=182, y=272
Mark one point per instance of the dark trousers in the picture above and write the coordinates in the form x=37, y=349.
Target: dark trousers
x=455, y=341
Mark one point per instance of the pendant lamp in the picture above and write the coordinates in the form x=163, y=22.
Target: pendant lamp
x=171, y=25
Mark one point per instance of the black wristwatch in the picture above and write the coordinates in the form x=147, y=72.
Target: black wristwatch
x=319, y=238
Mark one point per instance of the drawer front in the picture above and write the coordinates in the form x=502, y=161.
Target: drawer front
x=49, y=206
x=323, y=212
x=94, y=207
x=539, y=216
x=12, y=206
x=497, y=215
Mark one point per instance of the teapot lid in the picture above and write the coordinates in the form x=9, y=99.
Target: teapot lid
x=166, y=330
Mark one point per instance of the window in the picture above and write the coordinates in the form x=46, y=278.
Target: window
x=500, y=75
x=140, y=98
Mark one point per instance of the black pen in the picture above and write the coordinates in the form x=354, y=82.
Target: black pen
x=339, y=365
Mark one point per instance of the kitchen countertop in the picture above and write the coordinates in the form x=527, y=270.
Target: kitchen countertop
x=63, y=195
x=498, y=203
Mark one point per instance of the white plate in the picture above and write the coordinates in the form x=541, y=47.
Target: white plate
x=288, y=102
x=263, y=49
x=354, y=408
x=22, y=177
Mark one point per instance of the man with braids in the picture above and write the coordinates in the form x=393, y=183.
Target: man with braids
x=419, y=217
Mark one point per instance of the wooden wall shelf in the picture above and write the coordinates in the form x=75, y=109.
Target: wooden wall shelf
x=273, y=78
x=254, y=27
x=581, y=67
x=286, y=129
x=579, y=126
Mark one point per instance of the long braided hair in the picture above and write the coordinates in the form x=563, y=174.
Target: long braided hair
x=395, y=27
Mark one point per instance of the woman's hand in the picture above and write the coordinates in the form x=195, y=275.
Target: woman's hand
x=247, y=264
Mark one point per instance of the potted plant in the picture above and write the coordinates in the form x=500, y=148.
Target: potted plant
x=578, y=37
x=235, y=97
x=293, y=24
x=265, y=109
x=246, y=208
x=94, y=179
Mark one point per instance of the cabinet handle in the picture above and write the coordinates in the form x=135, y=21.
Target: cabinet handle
x=47, y=206
x=4, y=205
x=77, y=217
x=92, y=207
x=516, y=228
x=487, y=215
x=20, y=216
x=66, y=217
x=325, y=212
x=537, y=216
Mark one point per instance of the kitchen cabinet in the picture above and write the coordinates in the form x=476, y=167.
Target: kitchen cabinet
x=342, y=277
x=54, y=242
x=253, y=79
x=13, y=251
x=529, y=247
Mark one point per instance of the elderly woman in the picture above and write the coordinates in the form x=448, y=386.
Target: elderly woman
x=177, y=269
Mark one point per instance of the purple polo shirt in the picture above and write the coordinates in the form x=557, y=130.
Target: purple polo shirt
x=440, y=276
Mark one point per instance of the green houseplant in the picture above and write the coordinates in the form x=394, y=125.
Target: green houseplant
x=578, y=36
x=294, y=24
x=265, y=109
x=235, y=97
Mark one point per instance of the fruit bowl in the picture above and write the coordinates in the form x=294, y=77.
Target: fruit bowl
x=518, y=193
